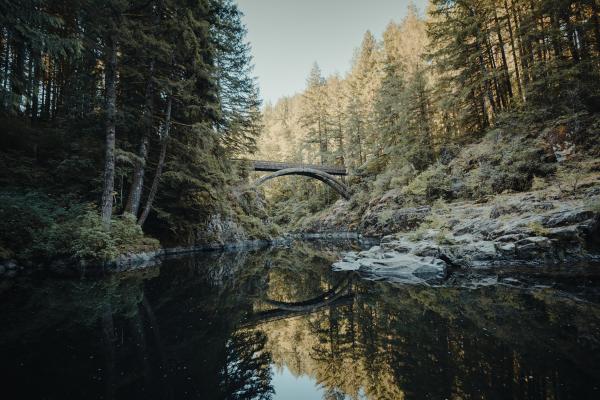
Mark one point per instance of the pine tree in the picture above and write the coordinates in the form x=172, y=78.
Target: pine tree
x=239, y=102
x=335, y=88
x=363, y=83
x=314, y=116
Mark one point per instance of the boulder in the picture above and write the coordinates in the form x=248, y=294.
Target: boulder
x=400, y=267
x=567, y=217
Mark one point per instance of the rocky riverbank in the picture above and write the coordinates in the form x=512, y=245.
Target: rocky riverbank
x=521, y=229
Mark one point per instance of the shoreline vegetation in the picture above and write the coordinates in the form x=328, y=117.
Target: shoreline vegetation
x=471, y=132
x=142, y=259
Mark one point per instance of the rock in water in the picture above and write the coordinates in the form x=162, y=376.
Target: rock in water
x=346, y=266
x=395, y=266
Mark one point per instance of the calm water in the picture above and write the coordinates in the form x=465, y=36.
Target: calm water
x=279, y=324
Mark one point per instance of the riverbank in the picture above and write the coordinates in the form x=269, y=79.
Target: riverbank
x=537, y=228
x=145, y=259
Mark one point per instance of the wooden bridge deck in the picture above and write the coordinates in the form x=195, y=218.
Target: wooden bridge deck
x=273, y=166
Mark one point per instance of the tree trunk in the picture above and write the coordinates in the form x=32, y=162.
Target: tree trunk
x=486, y=84
x=581, y=34
x=322, y=142
x=498, y=88
x=160, y=165
x=17, y=76
x=48, y=91
x=359, y=143
x=137, y=185
x=135, y=192
x=60, y=89
x=111, y=100
x=35, y=89
x=487, y=89
x=341, y=140
x=522, y=55
x=514, y=51
x=503, y=54
x=571, y=35
x=29, y=88
x=55, y=91
x=6, y=70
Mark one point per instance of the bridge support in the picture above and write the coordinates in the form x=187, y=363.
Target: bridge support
x=324, y=177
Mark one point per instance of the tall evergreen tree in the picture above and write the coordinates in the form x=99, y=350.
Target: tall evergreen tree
x=239, y=103
x=314, y=116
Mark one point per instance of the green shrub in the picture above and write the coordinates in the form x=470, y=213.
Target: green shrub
x=402, y=176
x=432, y=184
x=440, y=205
x=23, y=216
x=418, y=234
x=83, y=237
x=373, y=166
x=538, y=183
x=385, y=216
x=36, y=226
x=90, y=240
x=442, y=238
x=567, y=178
x=254, y=227
x=382, y=183
x=500, y=163
x=538, y=229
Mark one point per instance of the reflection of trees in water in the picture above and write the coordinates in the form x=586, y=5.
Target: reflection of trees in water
x=139, y=335
x=174, y=333
x=415, y=342
x=247, y=373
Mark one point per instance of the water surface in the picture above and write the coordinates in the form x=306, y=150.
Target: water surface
x=280, y=324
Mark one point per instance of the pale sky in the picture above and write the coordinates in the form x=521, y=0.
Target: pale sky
x=288, y=36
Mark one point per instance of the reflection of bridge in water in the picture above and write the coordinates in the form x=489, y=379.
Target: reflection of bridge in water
x=340, y=294
x=325, y=173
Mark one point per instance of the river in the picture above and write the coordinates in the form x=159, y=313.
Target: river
x=280, y=324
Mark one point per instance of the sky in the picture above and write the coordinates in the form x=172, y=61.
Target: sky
x=288, y=36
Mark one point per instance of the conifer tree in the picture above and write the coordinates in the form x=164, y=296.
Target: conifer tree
x=314, y=116
x=239, y=102
x=363, y=84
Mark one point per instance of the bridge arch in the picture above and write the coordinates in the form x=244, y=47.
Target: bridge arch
x=324, y=177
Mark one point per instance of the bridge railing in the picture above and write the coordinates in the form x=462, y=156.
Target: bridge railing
x=264, y=165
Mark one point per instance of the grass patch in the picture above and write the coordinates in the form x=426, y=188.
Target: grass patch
x=538, y=229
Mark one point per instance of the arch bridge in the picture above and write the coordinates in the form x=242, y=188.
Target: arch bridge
x=325, y=173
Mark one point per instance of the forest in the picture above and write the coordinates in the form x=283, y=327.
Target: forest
x=463, y=101
x=444, y=241
x=121, y=119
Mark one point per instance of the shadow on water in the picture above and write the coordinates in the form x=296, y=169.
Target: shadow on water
x=224, y=326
